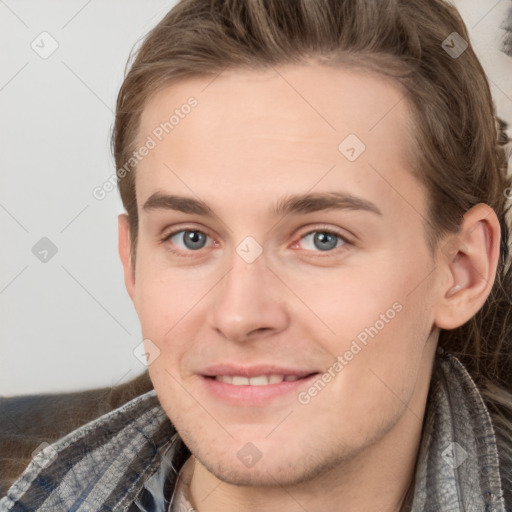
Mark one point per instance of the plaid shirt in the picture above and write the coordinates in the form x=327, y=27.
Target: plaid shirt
x=125, y=459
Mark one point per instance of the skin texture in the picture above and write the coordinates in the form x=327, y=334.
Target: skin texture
x=254, y=138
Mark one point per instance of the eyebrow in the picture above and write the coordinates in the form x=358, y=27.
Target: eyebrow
x=294, y=204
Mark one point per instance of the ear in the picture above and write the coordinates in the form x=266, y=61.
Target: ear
x=125, y=255
x=470, y=259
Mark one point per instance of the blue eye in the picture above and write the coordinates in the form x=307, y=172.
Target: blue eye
x=193, y=240
x=188, y=239
x=323, y=240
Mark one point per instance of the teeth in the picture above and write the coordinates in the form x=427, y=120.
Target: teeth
x=260, y=380
x=239, y=381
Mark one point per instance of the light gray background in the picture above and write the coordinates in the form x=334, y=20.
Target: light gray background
x=67, y=323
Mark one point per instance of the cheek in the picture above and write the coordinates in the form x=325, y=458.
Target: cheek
x=375, y=318
x=171, y=306
x=390, y=361
x=341, y=303
x=164, y=295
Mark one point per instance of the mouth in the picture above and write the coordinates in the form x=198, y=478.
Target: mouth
x=259, y=380
x=256, y=386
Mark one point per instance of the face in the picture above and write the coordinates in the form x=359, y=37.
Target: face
x=283, y=282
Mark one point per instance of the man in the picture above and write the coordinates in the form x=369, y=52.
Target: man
x=301, y=278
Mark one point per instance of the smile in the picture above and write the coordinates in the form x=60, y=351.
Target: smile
x=257, y=389
x=259, y=380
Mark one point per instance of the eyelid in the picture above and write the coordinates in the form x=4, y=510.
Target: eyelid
x=165, y=239
x=175, y=231
x=327, y=228
x=347, y=241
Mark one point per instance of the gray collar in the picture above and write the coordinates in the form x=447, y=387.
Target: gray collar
x=457, y=468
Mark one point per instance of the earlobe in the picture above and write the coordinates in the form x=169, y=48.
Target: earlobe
x=470, y=260
x=125, y=253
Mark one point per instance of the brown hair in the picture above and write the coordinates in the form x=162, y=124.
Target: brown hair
x=458, y=143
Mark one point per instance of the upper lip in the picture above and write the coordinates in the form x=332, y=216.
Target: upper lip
x=254, y=370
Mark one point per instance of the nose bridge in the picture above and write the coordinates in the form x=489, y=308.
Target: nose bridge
x=246, y=300
x=248, y=267
x=244, y=284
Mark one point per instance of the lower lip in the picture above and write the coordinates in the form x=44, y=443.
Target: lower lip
x=254, y=395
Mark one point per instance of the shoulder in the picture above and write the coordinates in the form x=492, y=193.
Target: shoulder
x=103, y=463
x=29, y=422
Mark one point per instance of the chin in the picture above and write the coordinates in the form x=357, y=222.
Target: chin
x=263, y=474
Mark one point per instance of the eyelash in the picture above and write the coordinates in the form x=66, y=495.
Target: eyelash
x=330, y=231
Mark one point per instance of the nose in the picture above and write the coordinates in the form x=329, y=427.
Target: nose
x=248, y=303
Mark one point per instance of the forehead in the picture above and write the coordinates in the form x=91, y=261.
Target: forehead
x=332, y=101
x=286, y=127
